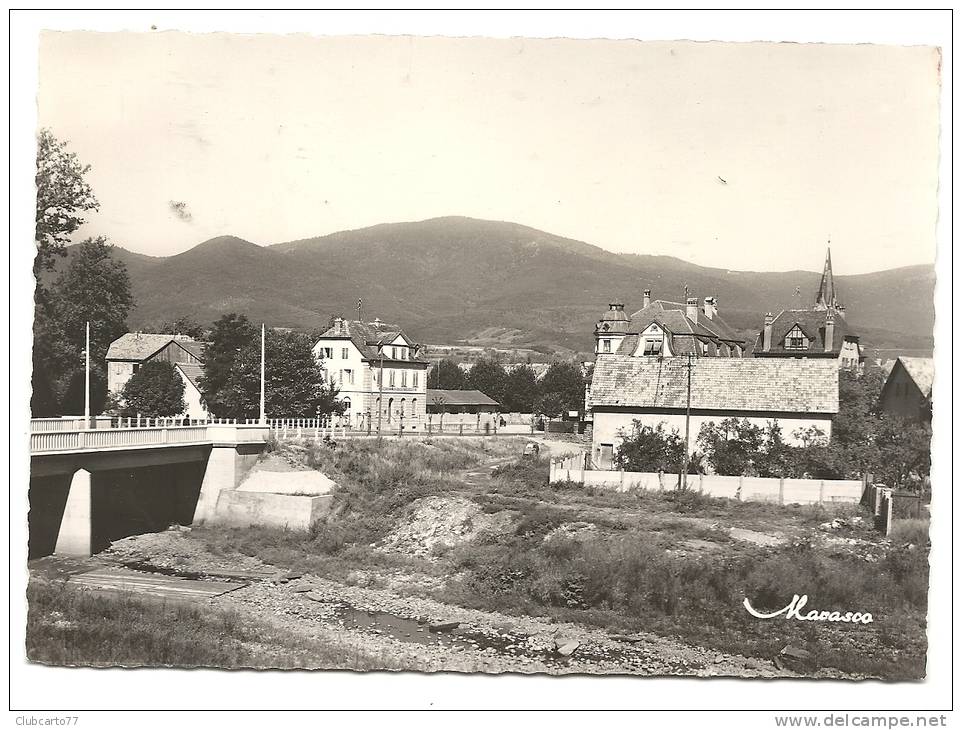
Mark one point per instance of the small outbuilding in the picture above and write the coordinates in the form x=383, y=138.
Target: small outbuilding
x=468, y=408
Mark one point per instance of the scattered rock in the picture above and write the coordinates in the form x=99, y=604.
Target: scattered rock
x=568, y=648
x=439, y=522
x=446, y=626
x=572, y=530
x=795, y=658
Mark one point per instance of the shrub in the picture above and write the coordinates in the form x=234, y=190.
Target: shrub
x=911, y=531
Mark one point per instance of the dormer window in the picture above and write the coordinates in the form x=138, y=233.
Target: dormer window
x=606, y=345
x=796, y=339
x=652, y=346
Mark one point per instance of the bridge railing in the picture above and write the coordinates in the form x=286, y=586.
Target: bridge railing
x=119, y=438
x=77, y=423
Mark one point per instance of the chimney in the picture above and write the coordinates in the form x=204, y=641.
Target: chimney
x=647, y=300
x=829, y=330
x=691, y=309
x=338, y=326
x=767, y=337
x=711, y=307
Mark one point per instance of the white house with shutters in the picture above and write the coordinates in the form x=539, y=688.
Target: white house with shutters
x=379, y=373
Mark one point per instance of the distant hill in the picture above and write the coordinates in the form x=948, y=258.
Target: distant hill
x=449, y=280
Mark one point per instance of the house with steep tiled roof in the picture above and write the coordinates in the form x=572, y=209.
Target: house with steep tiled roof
x=662, y=328
x=907, y=392
x=818, y=332
x=127, y=353
x=797, y=394
x=379, y=372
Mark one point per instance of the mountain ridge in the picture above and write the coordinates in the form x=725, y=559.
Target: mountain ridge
x=452, y=278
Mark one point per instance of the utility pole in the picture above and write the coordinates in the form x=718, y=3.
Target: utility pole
x=263, y=419
x=684, y=473
x=87, y=378
x=380, y=396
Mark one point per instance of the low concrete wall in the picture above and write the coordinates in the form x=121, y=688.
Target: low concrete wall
x=749, y=489
x=247, y=509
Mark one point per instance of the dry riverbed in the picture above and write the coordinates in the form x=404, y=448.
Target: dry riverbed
x=412, y=633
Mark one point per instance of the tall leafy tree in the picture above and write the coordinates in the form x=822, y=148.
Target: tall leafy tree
x=229, y=336
x=904, y=449
x=732, y=447
x=446, y=375
x=488, y=376
x=63, y=195
x=295, y=386
x=520, y=390
x=564, y=381
x=155, y=390
x=94, y=288
x=184, y=325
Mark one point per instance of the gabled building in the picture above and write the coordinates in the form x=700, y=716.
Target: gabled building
x=797, y=394
x=129, y=352
x=818, y=332
x=379, y=372
x=663, y=329
x=907, y=392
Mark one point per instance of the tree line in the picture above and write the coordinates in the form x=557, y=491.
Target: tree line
x=94, y=286
x=561, y=389
x=863, y=440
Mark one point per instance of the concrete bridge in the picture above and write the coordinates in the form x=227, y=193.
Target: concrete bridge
x=90, y=486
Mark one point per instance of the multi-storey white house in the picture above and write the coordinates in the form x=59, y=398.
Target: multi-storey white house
x=379, y=373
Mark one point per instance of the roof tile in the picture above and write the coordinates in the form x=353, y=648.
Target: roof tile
x=736, y=384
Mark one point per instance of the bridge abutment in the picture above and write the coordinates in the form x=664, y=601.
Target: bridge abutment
x=227, y=466
x=76, y=528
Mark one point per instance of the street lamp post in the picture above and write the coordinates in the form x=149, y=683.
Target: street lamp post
x=263, y=418
x=87, y=378
x=684, y=473
x=380, y=397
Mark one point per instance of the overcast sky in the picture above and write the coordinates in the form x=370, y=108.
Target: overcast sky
x=741, y=156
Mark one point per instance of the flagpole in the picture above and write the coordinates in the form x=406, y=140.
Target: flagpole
x=263, y=418
x=87, y=378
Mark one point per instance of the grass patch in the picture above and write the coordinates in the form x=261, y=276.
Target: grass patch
x=910, y=532
x=630, y=579
x=71, y=627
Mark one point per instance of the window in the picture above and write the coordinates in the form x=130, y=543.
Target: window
x=390, y=408
x=394, y=353
x=414, y=407
x=704, y=348
x=344, y=353
x=414, y=381
x=796, y=339
x=652, y=346
x=606, y=345
x=348, y=377
x=325, y=353
x=136, y=367
x=404, y=378
x=390, y=378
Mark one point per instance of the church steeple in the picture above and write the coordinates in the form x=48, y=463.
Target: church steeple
x=826, y=297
